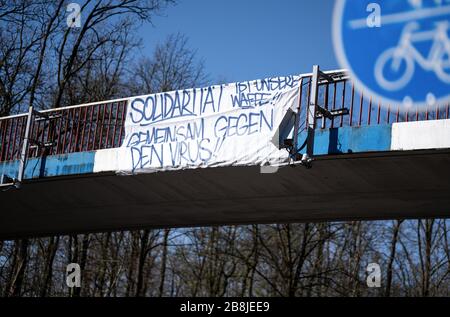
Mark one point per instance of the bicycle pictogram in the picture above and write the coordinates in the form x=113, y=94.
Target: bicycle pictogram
x=437, y=60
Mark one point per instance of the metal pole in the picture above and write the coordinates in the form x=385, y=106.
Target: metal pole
x=297, y=116
x=312, y=108
x=24, y=154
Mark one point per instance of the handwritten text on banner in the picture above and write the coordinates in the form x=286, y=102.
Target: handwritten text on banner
x=222, y=125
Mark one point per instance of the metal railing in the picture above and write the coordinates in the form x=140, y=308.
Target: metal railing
x=65, y=130
x=363, y=109
x=100, y=125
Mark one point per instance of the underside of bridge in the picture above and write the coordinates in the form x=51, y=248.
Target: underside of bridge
x=385, y=185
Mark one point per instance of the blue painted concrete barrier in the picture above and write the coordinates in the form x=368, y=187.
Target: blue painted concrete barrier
x=53, y=165
x=344, y=140
x=351, y=140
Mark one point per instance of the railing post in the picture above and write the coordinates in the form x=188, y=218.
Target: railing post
x=25, y=145
x=312, y=109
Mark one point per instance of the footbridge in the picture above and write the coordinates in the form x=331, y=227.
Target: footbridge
x=348, y=158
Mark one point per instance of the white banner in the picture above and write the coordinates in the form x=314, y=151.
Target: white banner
x=222, y=125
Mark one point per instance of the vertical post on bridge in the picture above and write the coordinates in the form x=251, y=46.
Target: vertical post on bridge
x=312, y=109
x=24, y=153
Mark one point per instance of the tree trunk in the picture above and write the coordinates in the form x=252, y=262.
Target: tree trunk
x=134, y=236
x=73, y=257
x=48, y=269
x=103, y=265
x=394, y=240
x=83, y=261
x=163, y=262
x=428, y=245
x=302, y=258
x=142, y=256
x=19, y=269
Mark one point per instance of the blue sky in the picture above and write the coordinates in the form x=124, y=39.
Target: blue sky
x=250, y=39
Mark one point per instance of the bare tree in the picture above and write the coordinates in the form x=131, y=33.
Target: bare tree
x=172, y=66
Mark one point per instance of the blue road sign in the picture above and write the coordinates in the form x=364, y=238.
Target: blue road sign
x=396, y=51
